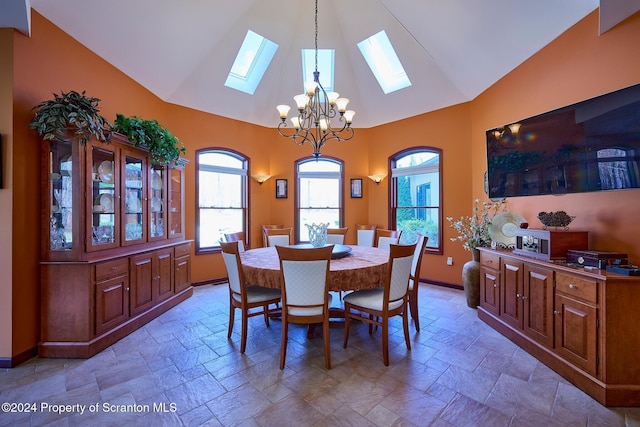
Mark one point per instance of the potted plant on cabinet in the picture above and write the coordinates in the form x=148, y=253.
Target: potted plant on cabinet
x=473, y=232
x=164, y=148
x=71, y=114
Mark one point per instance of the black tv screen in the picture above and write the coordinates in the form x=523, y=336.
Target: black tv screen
x=593, y=145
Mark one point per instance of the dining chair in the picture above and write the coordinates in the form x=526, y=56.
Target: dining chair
x=278, y=236
x=336, y=236
x=365, y=234
x=264, y=227
x=375, y=306
x=244, y=296
x=383, y=238
x=305, y=294
x=237, y=237
x=414, y=278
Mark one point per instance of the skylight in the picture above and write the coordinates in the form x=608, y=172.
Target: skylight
x=384, y=63
x=252, y=61
x=325, y=67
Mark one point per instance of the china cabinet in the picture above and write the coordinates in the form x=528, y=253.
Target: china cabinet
x=581, y=322
x=113, y=249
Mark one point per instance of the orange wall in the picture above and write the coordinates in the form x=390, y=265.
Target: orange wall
x=578, y=65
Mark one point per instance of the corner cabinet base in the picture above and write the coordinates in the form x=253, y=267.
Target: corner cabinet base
x=85, y=350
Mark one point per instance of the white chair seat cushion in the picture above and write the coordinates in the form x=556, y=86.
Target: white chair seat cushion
x=258, y=293
x=307, y=311
x=369, y=298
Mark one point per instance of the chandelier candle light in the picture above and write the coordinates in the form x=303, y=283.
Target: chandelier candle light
x=316, y=109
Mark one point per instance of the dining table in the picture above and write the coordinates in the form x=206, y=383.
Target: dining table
x=359, y=267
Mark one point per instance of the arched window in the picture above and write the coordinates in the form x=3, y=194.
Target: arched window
x=416, y=195
x=221, y=186
x=319, y=195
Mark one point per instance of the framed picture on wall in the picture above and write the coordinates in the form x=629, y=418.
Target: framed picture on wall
x=356, y=188
x=281, y=188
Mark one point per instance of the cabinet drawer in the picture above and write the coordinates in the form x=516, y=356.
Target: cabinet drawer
x=182, y=250
x=114, y=268
x=576, y=286
x=490, y=260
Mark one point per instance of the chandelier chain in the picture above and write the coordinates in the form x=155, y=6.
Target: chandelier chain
x=316, y=35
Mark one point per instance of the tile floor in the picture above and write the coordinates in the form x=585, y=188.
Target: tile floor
x=180, y=369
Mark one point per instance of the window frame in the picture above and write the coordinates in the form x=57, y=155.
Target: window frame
x=296, y=204
x=393, y=192
x=245, y=199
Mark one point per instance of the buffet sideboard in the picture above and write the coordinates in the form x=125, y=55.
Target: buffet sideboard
x=582, y=323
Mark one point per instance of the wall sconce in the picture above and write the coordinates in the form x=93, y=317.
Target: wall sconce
x=377, y=178
x=260, y=178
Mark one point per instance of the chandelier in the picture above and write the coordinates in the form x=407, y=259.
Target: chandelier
x=317, y=110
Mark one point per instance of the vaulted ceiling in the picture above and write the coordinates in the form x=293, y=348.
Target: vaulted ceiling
x=182, y=50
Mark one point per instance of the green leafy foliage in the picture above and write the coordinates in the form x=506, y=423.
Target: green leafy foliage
x=163, y=146
x=71, y=114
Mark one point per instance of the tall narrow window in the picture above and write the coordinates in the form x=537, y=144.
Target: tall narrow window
x=221, y=196
x=416, y=201
x=319, y=194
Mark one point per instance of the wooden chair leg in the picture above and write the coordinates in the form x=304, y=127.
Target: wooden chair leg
x=283, y=342
x=347, y=311
x=245, y=330
x=385, y=340
x=413, y=306
x=327, y=348
x=405, y=325
x=232, y=312
x=265, y=310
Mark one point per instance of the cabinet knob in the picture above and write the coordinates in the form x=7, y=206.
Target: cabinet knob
x=495, y=285
x=524, y=297
x=114, y=268
x=126, y=289
x=572, y=286
x=556, y=312
x=518, y=295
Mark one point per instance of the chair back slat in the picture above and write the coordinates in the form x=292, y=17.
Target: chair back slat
x=336, y=236
x=305, y=286
x=384, y=242
x=400, y=272
x=279, y=240
x=365, y=237
x=421, y=243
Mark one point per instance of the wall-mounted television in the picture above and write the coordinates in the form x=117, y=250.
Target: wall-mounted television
x=593, y=145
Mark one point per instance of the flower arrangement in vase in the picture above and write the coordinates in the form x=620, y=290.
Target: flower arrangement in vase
x=473, y=230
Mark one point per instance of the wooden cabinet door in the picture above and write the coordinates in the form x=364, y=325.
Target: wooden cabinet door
x=511, y=302
x=163, y=273
x=490, y=290
x=112, y=303
x=142, y=293
x=538, y=304
x=575, y=332
x=183, y=273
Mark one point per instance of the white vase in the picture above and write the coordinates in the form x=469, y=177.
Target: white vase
x=317, y=234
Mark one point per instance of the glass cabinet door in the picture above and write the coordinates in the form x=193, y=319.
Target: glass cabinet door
x=103, y=197
x=175, y=203
x=134, y=199
x=157, y=201
x=61, y=189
